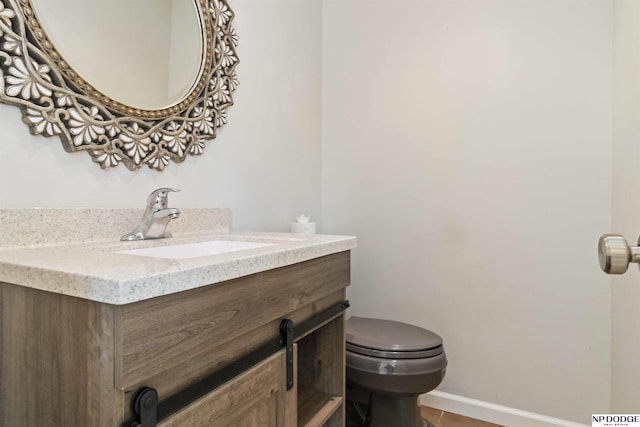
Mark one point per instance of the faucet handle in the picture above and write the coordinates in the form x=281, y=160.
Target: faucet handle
x=159, y=198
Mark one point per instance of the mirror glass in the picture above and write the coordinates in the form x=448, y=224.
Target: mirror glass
x=150, y=51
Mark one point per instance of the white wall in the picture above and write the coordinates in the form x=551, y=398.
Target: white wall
x=264, y=165
x=468, y=146
x=625, y=316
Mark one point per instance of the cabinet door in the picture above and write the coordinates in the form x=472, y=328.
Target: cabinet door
x=258, y=397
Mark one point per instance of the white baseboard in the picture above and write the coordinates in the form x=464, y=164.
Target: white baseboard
x=490, y=412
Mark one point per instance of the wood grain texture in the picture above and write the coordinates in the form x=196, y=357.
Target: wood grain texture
x=317, y=410
x=439, y=418
x=255, y=398
x=161, y=333
x=321, y=374
x=192, y=368
x=57, y=365
x=335, y=339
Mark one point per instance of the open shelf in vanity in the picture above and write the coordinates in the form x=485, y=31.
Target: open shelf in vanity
x=321, y=376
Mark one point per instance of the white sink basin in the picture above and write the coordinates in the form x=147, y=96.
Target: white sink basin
x=196, y=250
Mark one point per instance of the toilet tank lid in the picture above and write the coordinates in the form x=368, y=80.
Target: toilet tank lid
x=389, y=335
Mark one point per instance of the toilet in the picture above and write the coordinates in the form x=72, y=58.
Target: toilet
x=389, y=365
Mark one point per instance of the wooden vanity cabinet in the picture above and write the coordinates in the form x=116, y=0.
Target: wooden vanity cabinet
x=256, y=397
x=69, y=361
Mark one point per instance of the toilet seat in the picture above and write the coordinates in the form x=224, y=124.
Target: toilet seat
x=395, y=354
x=388, y=339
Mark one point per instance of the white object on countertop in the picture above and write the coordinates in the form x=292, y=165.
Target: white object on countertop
x=303, y=218
x=303, y=226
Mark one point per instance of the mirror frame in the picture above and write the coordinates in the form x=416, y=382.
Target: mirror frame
x=56, y=101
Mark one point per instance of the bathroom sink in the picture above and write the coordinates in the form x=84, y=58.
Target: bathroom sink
x=196, y=250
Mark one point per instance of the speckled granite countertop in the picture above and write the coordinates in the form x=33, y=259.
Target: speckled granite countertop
x=91, y=269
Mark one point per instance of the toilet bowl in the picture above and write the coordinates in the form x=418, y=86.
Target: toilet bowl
x=389, y=365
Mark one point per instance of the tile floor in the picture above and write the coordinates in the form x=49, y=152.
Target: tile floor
x=446, y=419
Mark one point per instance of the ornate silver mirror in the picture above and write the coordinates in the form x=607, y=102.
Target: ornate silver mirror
x=129, y=82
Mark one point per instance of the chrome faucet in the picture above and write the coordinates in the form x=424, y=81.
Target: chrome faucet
x=156, y=217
